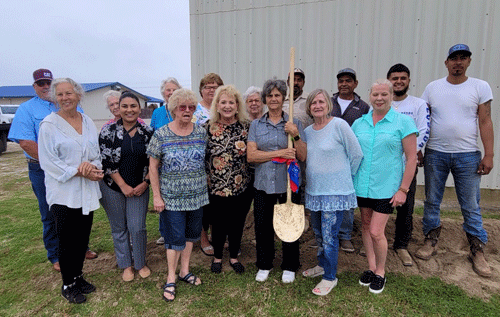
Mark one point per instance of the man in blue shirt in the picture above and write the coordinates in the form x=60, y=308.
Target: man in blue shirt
x=24, y=130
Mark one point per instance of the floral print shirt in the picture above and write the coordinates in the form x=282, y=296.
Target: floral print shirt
x=200, y=115
x=226, y=158
x=110, y=143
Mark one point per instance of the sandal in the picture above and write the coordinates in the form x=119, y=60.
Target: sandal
x=206, y=249
x=237, y=267
x=190, y=278
x=165, y=290
x=314, y=271
x=324, y=287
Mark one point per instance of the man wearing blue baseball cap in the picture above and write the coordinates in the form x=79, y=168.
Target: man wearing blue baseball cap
x=459, y=106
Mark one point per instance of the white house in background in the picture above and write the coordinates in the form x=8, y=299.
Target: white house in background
x=92, y=103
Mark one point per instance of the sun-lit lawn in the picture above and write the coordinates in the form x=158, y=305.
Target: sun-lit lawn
x=29, y=287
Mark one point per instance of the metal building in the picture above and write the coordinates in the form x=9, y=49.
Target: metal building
x=248, y=41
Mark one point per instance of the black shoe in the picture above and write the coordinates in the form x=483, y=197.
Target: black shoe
x=367, y=278
x=377, y=284
x=73, y=295
x=84, y=286
x=216, y=267
x=237, y=267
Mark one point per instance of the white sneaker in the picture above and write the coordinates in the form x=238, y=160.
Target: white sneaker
x=288, y=276
x=262, y=275
x=160, y=241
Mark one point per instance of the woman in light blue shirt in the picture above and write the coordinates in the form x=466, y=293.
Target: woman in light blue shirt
x=383, y=178
x=333, y=157
x=162, y=115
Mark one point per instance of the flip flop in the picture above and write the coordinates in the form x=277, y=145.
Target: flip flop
x=208, y=248
x=324, y=287
x=314, y=271
x=165, y=290
x=189, y=278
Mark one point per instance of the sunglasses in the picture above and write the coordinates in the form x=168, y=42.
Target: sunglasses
x=184, y=107
x=42, y=83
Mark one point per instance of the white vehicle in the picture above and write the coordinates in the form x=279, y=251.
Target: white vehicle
x=7, y=113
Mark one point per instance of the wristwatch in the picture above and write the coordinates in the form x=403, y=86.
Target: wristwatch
x=147, y=181
x=297, y=137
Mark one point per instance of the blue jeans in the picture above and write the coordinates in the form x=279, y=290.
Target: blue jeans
x=346, y=226
x=463, y=167
x=181, y=227
x=326, y=225
x=50, y=240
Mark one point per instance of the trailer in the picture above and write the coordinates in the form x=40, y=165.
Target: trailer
x=4, y=132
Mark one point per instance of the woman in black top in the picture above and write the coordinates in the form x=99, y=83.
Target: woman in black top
x=126, y=196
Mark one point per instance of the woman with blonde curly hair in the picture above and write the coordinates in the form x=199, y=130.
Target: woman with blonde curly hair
x=227, y=166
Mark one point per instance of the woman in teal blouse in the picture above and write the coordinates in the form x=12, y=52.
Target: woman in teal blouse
x=383, y=179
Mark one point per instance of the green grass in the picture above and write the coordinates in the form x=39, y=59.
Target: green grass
x=29, y=287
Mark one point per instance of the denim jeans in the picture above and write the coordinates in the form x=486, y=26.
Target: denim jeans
x=326, y=225
x=50, y=240
x=463, y=167
x=346, y=226
x=181, y=227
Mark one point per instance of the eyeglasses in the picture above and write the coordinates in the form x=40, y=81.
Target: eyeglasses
x=249, y=101
x=42, y=83
x=210, y=87
x=184, y=107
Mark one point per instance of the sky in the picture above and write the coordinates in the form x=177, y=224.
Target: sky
x=136, y=43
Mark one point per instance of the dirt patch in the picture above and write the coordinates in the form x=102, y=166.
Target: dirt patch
x=450, y=264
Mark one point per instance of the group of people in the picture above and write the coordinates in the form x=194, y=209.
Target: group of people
x=205, y=162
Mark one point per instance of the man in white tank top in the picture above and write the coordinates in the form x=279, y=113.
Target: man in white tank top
x=459, y=106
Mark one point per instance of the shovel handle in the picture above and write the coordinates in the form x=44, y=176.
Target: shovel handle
x=290, y=114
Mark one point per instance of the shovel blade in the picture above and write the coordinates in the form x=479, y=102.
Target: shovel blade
x=289, y=221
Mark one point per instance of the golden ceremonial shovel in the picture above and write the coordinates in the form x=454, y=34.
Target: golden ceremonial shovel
x=289, y=219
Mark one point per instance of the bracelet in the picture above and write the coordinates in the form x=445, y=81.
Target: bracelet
x=404, y=190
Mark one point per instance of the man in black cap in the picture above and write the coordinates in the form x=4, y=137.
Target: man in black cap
x=459, y=106
x=347, y=105
x=24, y=130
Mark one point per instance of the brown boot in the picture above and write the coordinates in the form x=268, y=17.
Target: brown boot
x=429, y=248
x=476, y=256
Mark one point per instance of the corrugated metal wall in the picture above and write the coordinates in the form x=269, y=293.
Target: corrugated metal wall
x=247, y=42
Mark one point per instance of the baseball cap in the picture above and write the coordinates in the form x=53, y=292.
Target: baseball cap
x=298, y=71
x=347, y=71
x=459, y=48
x=42, y=74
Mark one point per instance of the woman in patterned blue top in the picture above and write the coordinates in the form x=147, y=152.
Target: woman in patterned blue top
x=180, y=188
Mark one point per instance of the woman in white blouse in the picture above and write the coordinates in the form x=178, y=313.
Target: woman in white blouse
x=69, y=155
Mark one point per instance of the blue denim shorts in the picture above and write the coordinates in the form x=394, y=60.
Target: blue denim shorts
x=181, y=227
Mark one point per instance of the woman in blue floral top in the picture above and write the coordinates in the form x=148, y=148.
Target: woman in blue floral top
x=180, y=188
x=125, y=192
x=228, y=175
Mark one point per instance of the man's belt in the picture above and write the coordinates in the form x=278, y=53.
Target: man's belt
x=30, y=160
